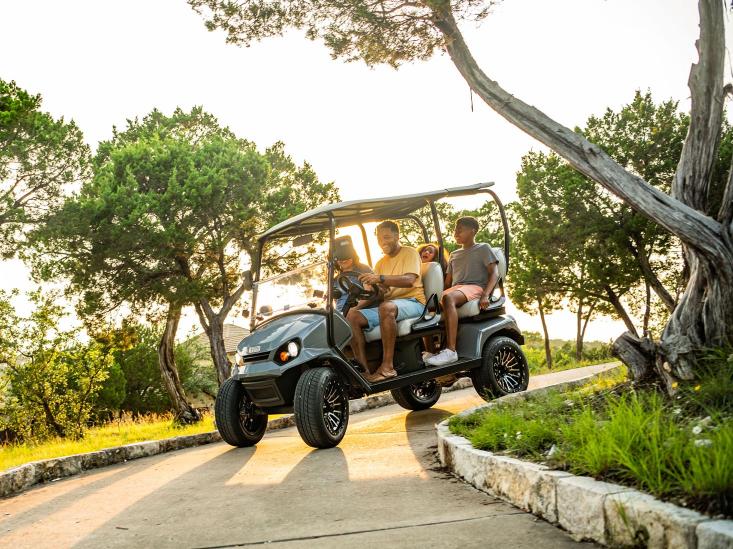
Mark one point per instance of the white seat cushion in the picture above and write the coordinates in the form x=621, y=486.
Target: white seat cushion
x=470, y=308
x=432, y=279
x=403, y=328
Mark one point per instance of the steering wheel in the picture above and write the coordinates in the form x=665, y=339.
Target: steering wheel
x=353, y=287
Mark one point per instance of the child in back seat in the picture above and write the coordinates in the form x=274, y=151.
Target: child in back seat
x=472, y=274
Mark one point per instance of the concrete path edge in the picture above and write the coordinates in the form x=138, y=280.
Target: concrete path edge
x=18, y=479
x=588, y=509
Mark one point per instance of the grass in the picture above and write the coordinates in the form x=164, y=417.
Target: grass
x=678, y=449
x=563, y=354
x=106, y=436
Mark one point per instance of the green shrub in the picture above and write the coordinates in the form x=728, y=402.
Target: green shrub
x=678, y=448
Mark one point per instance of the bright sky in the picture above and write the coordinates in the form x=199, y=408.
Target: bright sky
x=373, y=132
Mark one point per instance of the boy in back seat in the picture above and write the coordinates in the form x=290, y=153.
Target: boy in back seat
x=472, y=274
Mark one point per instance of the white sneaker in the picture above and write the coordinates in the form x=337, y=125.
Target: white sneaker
x=446, y=356
x=426, y=355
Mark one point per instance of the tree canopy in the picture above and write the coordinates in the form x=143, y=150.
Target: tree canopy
x=39, y=157
x=396, y=31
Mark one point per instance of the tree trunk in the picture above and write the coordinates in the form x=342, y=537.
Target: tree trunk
x=651, y=278
x=213, y=325
x=704, y=315
x=620, y=310
x=185, y=413
x=579, y=333
x=647, y=308
x=548, y=351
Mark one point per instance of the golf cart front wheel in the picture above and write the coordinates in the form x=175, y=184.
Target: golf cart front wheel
x=419, y=396
x=503, y=369
x=239, y=421
x=321, y=407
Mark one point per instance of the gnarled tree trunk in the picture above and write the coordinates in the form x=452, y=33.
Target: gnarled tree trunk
x=213, y=325
x=185, y=413
x=704, y=315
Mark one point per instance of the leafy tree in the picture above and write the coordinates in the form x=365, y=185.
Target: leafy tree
x=174, y=206
x=39, y=157
x=565, y=255
x=395, y=31
x=50, y=380
x=135, y=349
x=532, y=286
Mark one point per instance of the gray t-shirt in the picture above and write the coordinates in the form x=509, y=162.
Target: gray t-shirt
x=471, y=266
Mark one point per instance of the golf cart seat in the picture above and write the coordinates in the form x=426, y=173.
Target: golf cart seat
x=432, y=279
x=472, y=308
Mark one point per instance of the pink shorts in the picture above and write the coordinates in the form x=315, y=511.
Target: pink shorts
x=471, y=291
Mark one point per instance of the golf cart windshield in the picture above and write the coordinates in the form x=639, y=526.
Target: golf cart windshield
x=297, y=289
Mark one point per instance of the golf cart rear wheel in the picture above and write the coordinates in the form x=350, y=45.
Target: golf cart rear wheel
x=503, y=369
x=321, y=407
x=419, y=396
x=238, y=420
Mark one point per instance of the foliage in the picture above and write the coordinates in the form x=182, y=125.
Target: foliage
x=562, y=354
x=175, y=205
x=389, y=32
x=135, y=350
x=39, y=157
x=679, y=448
x=116, y=433
x=50, y=381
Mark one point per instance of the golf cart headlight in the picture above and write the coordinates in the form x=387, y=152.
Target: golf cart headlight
x=288, y=352
x=293, y=349
x=239, y=358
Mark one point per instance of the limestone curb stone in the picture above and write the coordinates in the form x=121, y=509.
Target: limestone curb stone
x=589, y=509
x=635, y=518
x=580, y=508
x=715, y=534
x=16, y=480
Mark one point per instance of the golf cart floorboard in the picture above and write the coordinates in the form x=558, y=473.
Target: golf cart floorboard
x=424, y=374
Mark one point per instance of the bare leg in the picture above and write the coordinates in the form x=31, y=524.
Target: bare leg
x=450, y=304
x=388, y=325
x=358, y=322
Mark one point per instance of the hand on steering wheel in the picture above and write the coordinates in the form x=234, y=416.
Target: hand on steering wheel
x=354, y=287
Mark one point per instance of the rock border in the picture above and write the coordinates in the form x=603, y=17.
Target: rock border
x=588, y=509
x=21, y=478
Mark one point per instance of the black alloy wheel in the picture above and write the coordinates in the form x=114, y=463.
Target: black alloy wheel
x=239, y=421
x=321, y=407
x=419, y=396
x=335, y=406
x=503, y=370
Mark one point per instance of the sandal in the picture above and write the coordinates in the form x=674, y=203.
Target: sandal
x=379, y=376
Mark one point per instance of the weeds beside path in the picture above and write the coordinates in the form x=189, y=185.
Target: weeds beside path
x=677, y=449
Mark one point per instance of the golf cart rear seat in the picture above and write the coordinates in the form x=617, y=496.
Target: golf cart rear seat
x=468, y=310
x=432, y=278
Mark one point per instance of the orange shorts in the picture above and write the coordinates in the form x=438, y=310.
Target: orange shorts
x=471, y=291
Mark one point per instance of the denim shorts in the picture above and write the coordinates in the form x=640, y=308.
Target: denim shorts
x=406, y=308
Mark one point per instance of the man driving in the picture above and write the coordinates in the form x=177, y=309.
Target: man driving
x=397, y=276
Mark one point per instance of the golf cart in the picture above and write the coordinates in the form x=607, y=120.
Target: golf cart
x=297, y=360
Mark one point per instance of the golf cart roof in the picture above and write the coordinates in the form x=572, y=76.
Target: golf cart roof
x=364, y=211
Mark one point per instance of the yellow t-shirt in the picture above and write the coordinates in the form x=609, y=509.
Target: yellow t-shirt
x=407, y=261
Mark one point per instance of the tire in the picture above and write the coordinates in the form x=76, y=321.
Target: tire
x=321, y=407
x=503, y=369
x=419, y=396
x=238, y=420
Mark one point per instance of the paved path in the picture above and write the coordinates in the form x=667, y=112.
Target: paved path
x=382, y=485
